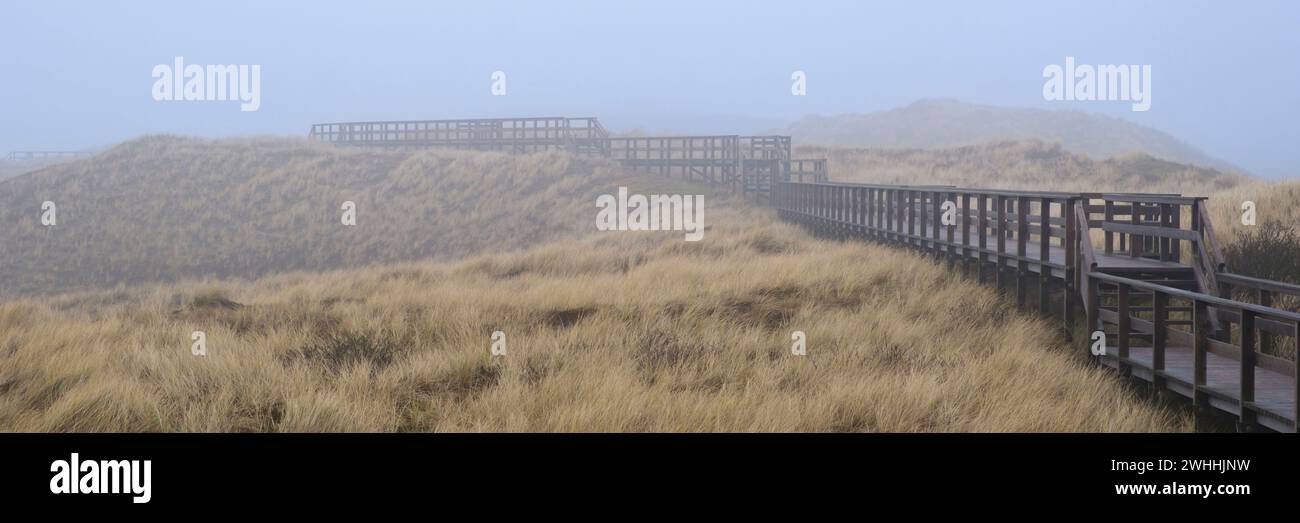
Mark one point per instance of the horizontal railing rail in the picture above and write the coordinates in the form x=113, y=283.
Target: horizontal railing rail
x=1269, y=288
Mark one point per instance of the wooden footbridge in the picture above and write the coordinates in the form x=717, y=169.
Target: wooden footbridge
x=27, y=156
x=1145, y=269
x=748, y=163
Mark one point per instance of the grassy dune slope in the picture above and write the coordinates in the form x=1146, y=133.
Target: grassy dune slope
x=1023, y=165
x=928, y=124
x=1274, y=202
x=12, y=169
x=167, y=208
x=617, y=332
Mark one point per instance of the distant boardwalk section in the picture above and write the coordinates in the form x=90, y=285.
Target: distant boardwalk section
x=750, y=163
x=28, y=156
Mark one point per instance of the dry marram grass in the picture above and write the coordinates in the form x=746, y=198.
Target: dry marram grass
x=617, y=332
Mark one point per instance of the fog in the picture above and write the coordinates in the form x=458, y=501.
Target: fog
x=78, y=74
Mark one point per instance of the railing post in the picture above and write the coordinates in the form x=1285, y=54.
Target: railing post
x=1159, y=335
x=1201, y=341
x=1002, y=240
x=1136, y=243
x=937, y=213
x=952, y=232
x=900, y=220
x=1170, y=245
x=1071, y=253
x=922, y=229
x=1022, y=250
x=1247, y=390
x=875, y=212
x=859, y=209
x=1093, y=303
x=1045, y=254
x=890, y=212
x=842, y=206
x=869, y=210
x=884, y=218
x=1266, y=337
x=982, y=237
x=965, y=234
x=879, y=224
x=1295, y=411
x=1124, y=325
x=911, y=216
x=1108, y=218
x=922, y=218
x=868, y=196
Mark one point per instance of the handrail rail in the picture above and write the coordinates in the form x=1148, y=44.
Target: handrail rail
x=458, y=120
x=991, y=192
x=1212, y=250
x=1208, y=299
x=1259, y=283
x=1175, y=199
x=1084, y=239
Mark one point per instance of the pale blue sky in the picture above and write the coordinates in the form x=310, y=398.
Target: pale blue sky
x=77, y=74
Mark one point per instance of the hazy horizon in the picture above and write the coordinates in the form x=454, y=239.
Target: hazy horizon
x=1219, y=75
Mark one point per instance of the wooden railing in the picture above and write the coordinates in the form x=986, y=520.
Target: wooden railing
x=504, y=134
x=1145, y=225
x=1015, y=233
x=1061, y=240
x=23, y=156
x=1166, y=317
x=752, y=162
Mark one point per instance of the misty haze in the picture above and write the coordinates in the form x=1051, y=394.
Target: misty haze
x=605, y=217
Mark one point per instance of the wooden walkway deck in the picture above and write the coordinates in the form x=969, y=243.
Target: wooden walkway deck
x=1274, y=402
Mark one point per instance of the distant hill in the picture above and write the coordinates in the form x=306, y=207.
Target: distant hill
x=947, y=123
x=165, y=208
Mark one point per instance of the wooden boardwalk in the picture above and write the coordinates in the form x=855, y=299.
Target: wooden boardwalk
x=749, y=163
x=1274, y=395
x=1146, y=269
